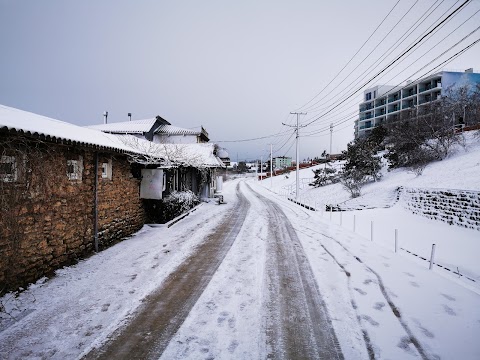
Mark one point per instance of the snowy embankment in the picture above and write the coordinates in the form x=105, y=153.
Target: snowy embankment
x=457, y=248
x=402, y=309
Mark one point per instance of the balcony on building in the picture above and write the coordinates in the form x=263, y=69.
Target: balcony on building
x=393, y=108
x=380, y=111
x=380, y=101
x=411, y=91
x=394, y=97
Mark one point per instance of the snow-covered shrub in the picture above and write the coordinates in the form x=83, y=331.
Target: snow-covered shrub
x=177, y=203
x=324, y=176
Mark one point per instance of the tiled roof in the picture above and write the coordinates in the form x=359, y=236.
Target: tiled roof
x=174, y=130
x=24, y=122
x=126, y=127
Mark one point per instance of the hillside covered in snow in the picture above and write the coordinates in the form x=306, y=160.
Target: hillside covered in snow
x=384, y=206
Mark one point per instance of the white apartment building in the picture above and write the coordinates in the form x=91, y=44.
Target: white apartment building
x=384, y=103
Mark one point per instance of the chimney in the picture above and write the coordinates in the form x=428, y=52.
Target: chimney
x=105, y=116
x=129, y=116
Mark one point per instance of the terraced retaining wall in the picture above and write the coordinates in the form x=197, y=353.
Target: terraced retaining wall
x=455, y=207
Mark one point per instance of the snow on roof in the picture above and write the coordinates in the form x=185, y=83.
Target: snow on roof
x=198, y=155
x=171, y=155
x=222, y=154
x=175, y=130
x=126, y=127
x=51, y=129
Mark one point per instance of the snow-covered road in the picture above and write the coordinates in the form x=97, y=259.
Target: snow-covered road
x=283, y=283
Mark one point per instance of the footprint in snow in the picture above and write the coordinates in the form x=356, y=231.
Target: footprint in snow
x=379, y=306
x=368, y=281
x=425, y=331
x=407, y=273
x=222, y=317
x=414, y=284
x=449, y=310
x=369, y=320
x=448, y=297
x=404, y=344
x=105, y=307
x=233, y=345
x=232, y=322
x=360, y=291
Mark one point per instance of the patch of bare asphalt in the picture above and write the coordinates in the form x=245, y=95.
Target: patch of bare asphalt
x=151, y=328
x=297, y=322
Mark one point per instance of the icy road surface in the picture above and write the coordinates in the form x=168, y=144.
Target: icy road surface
x=259, y=277
x=297, y=325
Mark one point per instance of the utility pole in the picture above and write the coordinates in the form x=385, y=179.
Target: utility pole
x=271, y=166
x=261, y=168
x=297, y=155
x=331, y=133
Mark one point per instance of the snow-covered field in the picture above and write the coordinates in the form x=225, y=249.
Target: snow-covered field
x=456, y=248
x=389, y=301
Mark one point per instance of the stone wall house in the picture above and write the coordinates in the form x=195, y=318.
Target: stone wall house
x=64, y=193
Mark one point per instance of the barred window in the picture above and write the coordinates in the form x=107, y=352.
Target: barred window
x=75, y=168
x=8, y=169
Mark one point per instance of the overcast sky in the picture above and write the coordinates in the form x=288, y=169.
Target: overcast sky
x=236, y=67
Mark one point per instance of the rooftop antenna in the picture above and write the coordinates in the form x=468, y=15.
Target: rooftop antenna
x=105, y=116
x=129, y=116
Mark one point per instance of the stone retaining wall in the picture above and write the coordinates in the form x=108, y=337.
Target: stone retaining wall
x=455, y=207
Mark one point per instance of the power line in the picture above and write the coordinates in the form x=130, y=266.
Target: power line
x=349, y=61
x=390, y=64
x=382, y=57
x=368, y=55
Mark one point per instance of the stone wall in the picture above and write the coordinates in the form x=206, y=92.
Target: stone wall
x=120, y=210
x=47, y=219
x=455, y=207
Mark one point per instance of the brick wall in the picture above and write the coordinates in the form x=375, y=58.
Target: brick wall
x=455, y=207
x=48, y=219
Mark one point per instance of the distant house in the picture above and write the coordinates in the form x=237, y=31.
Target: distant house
x=158, y=130
x=66, y=191
x=281, y=162
x=183, y=144
x=223, y=155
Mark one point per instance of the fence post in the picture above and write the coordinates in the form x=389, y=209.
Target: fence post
x=354, y=222
x=371, y=230
x=431, y=257
x=396, y=240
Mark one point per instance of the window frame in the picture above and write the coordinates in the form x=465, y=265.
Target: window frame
x=13, y=176
x=77, y=173
x=107, y=170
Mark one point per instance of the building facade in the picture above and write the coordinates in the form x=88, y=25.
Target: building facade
x=281, y=162
x=385, y=103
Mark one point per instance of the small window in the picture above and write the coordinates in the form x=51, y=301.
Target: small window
x=8, y=169
x=75, y=169
x=107, y=170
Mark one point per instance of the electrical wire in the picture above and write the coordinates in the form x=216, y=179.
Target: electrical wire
x=390, y=64
x=349, y=61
